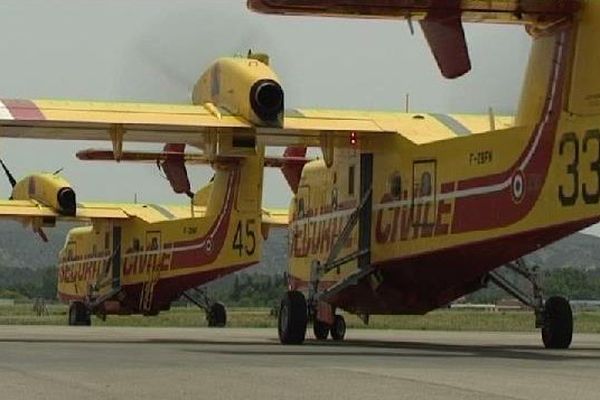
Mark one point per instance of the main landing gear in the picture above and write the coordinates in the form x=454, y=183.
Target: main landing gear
x=293, y=318
x=294, y=315
x=554, y=316
x=216, y=314
x=79, y=314
x=295, y=311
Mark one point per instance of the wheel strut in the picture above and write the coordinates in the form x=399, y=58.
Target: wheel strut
x=554, y=317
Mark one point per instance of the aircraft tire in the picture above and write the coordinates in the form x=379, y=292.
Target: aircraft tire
x=79, y=314
x=320, y=329
x=557, y=332
x=292, y=318
x=338, y=329
x=217, y=315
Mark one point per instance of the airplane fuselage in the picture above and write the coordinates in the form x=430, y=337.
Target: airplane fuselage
x=453, y=199
x=143, y=263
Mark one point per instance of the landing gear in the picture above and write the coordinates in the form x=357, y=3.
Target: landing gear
x=554, y=316
x=216, y=315
x=320, y=329
x=557, y=331
x=338, y=329
x=79, y=315
x=292, y=318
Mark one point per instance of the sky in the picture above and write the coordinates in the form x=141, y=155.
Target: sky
x=154, y=50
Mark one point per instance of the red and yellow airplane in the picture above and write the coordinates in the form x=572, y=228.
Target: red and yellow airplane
x=138, y=258
x=407, y=223
x=406, y=211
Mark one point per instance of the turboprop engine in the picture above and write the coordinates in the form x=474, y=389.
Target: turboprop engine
x=244, y=86
x=49, y=189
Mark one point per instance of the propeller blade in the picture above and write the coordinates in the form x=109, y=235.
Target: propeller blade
x=10, y=177
x=42, y=234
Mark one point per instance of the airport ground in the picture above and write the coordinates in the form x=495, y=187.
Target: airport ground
x=58, y=362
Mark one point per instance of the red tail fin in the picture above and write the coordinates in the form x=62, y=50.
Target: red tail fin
x=292, y=169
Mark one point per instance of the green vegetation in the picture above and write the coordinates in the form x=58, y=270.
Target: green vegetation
x=448, y=320
x=250, y=290
x=28, y=283
x=572, y=283
x=250, y=297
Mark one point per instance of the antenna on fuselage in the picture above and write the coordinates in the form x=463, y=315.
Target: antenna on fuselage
x=407, y=102
x=411, y=26
x=492, y=119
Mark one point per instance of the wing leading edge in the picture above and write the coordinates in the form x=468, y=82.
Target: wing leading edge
x=157, y=123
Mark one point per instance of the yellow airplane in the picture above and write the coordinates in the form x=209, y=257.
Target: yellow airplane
x=408, y=223
x=138, y=258
x=405, y=212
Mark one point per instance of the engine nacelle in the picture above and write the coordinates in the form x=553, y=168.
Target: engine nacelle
x=50, y=190
x=244, y=86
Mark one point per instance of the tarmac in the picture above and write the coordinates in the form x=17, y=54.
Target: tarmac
x=202, y=363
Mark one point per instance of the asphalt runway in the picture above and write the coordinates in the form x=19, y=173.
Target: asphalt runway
x=200, y=363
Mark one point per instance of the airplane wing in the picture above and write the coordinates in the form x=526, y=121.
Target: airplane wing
x=275, y=217
x=157, y=123
x=191, y=124
x=24, y=209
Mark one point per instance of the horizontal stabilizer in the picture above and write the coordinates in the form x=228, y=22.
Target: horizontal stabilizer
x=189, y=158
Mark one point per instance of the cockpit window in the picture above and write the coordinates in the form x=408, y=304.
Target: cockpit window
x=396, y=186
x=301, y=208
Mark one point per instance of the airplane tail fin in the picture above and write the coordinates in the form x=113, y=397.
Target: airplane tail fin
x=574, y=42
x=294, y=159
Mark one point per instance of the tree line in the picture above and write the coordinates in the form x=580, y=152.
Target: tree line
x=266, y=290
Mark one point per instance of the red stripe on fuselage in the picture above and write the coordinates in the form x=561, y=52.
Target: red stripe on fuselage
x=498, y=208
x=419, y=283
x=206, y=249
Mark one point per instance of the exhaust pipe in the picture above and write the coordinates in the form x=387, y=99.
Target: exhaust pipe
x=66, y=201
x=266, y=99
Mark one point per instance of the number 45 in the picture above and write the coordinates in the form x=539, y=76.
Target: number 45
x=245, y=242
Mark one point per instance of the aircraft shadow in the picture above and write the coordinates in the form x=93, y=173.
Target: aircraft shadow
x=364, y=348
x=348, y=348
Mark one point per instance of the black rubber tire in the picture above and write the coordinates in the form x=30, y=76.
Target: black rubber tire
x=79, y=314
x=217, y=316
x=320, y=329
x=292, y=318
x=338, y=330
x=557, y=332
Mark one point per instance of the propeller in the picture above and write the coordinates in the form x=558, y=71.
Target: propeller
x=153, y=54
x=9, y=176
